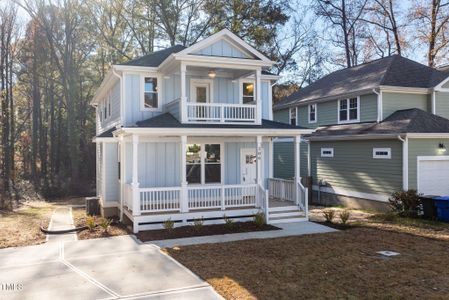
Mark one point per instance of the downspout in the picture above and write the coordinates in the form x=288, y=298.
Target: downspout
x=404, y=162
x=120, y=143
x=379, y=105
x=433, y=102
x=121, y=94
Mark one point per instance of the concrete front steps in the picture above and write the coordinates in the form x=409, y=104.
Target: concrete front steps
x=285, y=214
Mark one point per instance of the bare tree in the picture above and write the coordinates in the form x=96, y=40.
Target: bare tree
x=383, y=14
x=431, y=20
x=344, y=16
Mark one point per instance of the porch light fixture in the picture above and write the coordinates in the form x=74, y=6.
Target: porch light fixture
x=212, y=74
x=442, y=147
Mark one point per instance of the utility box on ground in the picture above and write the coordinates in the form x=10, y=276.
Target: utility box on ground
x=92, y=206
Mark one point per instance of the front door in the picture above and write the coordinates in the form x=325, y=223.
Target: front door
x=248, y=166
x=200, y=92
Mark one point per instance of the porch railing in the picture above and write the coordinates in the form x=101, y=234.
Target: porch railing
x=170, y=199
x=281, y=189
x=221, y=113
x=160, y=199
x=226, y=196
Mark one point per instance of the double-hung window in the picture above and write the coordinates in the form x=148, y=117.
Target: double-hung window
x=348, y=110
x=150, y=93
x=312, y=113
x=293, y=116
x=247, y=92
x=203, y=163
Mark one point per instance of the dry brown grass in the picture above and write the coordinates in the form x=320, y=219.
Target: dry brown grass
x=79, y=219
x=334, y=265
x=21, y=227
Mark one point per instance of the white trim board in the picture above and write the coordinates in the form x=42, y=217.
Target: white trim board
x=351, y=193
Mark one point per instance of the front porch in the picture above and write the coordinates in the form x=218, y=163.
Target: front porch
x=202, y=176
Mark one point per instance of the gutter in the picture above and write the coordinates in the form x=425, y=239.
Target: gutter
x=404, y=162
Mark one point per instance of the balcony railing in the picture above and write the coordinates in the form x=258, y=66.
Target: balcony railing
x=221, y=113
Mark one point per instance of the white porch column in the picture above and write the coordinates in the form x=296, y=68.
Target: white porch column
x=183, y=102
x=258, y=97
x=121, y=146
x=135, y=178
x=184, y=194
x=297, y=165
x=259, y=160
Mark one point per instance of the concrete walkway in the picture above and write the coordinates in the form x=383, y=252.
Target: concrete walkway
x=288, y=229
x=61, y=219
x=105, y=268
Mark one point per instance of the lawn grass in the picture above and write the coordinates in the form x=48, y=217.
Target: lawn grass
x=342, y=264
x=21, y=227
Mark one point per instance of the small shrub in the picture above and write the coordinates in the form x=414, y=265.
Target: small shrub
x=90, y=223
x=229, y=223
x=198, y=224
x=259, y=219
x=405, y=203
x=105, y=223
x=344, y=216
x=169, y=224
x=329, y=215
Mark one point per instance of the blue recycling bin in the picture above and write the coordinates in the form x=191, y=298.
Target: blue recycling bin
x=442, y=205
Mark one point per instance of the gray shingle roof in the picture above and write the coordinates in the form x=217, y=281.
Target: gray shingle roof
x=107, y=133
x=166, y=120
x=402, y=121
x=394, y=70
x=154, y=59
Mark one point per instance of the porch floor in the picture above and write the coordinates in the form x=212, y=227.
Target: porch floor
x=274, y=202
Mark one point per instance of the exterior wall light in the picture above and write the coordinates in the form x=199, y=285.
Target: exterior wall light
x=442, y=147
x=212, y=74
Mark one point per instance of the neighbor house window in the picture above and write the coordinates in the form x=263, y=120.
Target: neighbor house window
x=109, y=106
x=348, y=110
x=105, y=110
x=327, y=152
x=150, y=93
x=203, y=163
x=312, y=113
x=293, y=116
x=382, y=153
x=248, y=92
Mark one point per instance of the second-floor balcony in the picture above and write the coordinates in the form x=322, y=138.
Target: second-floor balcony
x=216, y=94
x=224, y=113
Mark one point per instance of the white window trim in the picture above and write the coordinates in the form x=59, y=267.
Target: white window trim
x=203, y=164
x=241, y=82
x=316, y=112
x=388, y=156
x=210, y=82
x=358, y=111
x=326, y=150
x=290, y=115
x=142, y=92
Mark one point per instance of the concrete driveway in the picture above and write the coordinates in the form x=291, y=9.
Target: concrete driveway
x=110, y=268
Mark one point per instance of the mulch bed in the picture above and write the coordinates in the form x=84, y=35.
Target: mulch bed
x=190, y=231
x=338, y=226
x=114, y=229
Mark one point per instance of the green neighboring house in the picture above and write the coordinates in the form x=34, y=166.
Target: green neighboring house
x=379, y=127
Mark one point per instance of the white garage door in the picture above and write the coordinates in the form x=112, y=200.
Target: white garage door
x=433, y=176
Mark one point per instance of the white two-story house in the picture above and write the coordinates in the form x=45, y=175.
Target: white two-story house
x=187, y=133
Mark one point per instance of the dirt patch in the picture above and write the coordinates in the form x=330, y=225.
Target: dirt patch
x=342, y=264
x=115, y=229
x=190, y=231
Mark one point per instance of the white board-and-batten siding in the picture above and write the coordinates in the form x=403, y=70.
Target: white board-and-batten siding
x=224, y=49
x=159, y=163
x=114, y=97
